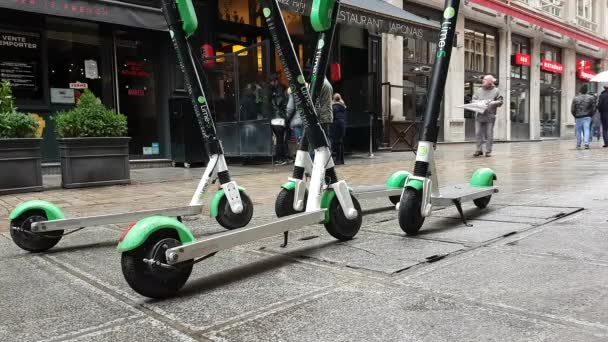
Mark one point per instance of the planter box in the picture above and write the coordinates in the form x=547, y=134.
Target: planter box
x=20, y=165
x=94, y=161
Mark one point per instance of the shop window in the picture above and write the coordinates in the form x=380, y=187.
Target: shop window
x=241, y=11
x=480, y=52
x=20, y=63
x=74, y=64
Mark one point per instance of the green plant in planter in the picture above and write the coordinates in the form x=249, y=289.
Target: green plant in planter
x=12, y=123
x=90, y=118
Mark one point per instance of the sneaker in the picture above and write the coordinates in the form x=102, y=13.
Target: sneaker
x=488, y=154
x=586, y=147
x=477, y=154
x=605, y=146
x=578, y=147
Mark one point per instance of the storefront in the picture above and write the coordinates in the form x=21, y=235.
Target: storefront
x=418, y=59
x=586, y=68
x=481, y=51
x=552, y=70
x=50, y=51
x=520, y=88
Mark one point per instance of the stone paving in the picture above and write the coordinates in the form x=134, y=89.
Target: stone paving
x=532, y=267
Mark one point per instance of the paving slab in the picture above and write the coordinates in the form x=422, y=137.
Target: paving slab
x=40, y=301
x=230, y=284
x=572, y=241
x=453, y=230
x=556, y=287
x=369, y=251
x=8, y=249
x=145, y=329
x=366, y=312
x=518, y=214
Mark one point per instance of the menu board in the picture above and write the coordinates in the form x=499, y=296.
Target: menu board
x=21, y=75
x=19, y=59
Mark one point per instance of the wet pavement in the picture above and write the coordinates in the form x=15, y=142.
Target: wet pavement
x=533, y=266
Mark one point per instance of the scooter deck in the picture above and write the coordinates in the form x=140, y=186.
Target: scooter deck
x=375, y=191
x=461, y=192
x=237, y=237
x=90, y=221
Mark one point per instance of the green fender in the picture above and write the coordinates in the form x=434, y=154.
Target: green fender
x=52, y=211
x=415, y=184
x=291, y=185
x=483, y=177
x=320, y=14
x=215, y=201
x=397, y=180
x=326, y=199
x=142, y=230
x=188, y=16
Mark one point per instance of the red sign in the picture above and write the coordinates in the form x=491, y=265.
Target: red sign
x=523, y=59
x=586, y=75
x=583, y=64
x=551, y=66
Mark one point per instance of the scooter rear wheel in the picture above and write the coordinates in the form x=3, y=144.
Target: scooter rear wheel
x=339, y=226
x=228, y=219
x=410, y=217
x=22, y=235
x=483, y=202
x=283, y=206
x=155, y=281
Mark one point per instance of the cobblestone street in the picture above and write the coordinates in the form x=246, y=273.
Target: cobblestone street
x=533, y=266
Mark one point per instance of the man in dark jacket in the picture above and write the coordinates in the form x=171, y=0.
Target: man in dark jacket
x=338, y=128
x=602, y=107
x=583, y=108
x=279, y=124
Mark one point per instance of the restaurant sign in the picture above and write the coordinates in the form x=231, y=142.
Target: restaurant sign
x=112, y=12
x=374, y=22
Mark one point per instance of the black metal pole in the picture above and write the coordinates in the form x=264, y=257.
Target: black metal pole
x=440, y=70
x=192, y=76
x=282, y=42
x=437, y=86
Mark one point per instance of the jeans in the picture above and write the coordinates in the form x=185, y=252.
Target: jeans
x=583, y=131
x=298, y=132
x=281, y=142
x=604, y=117
x=484, y=133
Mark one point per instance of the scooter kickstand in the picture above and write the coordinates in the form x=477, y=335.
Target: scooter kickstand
x=462, y=217
x=285, y=239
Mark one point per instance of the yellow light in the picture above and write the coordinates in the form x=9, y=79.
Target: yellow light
x=237, y=48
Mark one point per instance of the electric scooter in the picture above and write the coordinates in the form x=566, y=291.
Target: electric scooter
x=421, y=190
x=37, y=226
x=158, y=253
x=292, y=197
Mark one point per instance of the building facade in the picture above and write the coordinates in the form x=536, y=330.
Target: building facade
x=541, y=52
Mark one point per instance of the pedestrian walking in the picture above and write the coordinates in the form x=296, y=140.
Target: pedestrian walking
x=489, y=94
x=602, y=108
x=294, y=118
x=583, y=108
x=596, y=125
x=338, y=128
x=279, y=123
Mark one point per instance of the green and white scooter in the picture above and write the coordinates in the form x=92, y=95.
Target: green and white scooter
x=421, y=190
x=158, y=253
x=292, y=197
x=37, y=226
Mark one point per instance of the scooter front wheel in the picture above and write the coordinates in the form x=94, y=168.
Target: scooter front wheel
x=283, y=206
x=228, y=219
x=483, y=202
x=150, y=279
x=410, y=217
x=339, y=226
x=22, y=235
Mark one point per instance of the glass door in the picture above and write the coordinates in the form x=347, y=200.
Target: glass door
x=136, y=71
x=549, y=111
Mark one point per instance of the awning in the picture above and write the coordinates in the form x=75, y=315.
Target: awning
x=109, y=11
x=375, y=15
x=523, y=13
